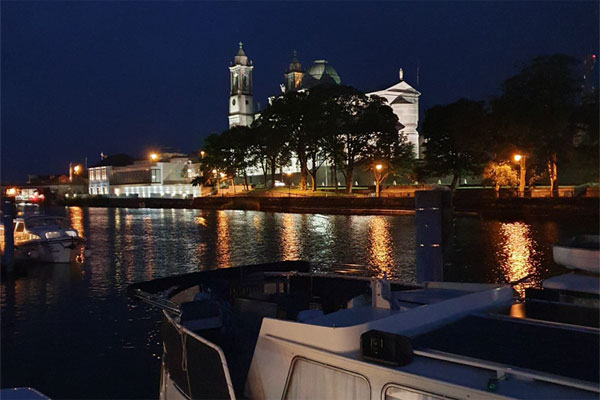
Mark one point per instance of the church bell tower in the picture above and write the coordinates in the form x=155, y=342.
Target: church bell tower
x=241, y=104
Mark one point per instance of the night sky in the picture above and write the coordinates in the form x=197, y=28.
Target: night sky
x=80, y=78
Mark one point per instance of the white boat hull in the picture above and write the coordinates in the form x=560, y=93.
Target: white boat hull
x=583, y=258
x=58, y=251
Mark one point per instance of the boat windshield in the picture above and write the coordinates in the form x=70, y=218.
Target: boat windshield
x=46, y=221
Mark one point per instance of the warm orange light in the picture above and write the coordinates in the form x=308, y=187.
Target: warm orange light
x=518, y=157
x=202, y=153
x=77, y=168
x=154, y=156
x=378, y=167
x=288, y=173
x=11, y=192
x=214, y=171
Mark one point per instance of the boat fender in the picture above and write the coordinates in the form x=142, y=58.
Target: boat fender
x=386, y=348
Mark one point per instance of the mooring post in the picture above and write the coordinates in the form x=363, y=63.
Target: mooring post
x=9, y=237
x=433, y=220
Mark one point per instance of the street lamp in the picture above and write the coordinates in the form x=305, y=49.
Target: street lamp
x=154, y=156
x=76, y=169
x=377, y=174
x=202, y=153
x=520, y=158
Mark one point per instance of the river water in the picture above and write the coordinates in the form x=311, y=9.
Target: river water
x=71, y=331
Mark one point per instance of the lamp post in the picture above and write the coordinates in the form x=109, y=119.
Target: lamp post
x=377, y=171
x=520, y=158
x=154, y=156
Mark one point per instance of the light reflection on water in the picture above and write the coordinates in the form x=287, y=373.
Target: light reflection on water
x=77, y=324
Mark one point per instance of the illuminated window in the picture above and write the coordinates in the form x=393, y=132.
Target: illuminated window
x=20, y=227
x=313, y=380
x=397, y=392
x=103, y=174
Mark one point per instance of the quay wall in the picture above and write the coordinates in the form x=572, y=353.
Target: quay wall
x=517, y=207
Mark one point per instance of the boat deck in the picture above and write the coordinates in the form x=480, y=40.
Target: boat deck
x=556, y=350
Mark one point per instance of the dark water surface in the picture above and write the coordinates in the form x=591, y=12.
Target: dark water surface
x=72, y=332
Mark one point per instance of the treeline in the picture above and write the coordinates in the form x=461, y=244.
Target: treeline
x=540, y=114
x=542, y=117
x=332, y=125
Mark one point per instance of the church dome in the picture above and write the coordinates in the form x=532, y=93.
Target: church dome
x=320, y=72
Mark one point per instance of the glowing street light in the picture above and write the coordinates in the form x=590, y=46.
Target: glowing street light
x=202, y=153
x=379, y=177
x=77, y=168
x=522, y=170
x=154, y=156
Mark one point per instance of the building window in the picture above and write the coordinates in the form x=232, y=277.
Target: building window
x=312, y=380
x=397, y=392
x=103, y=174
x=155, y=176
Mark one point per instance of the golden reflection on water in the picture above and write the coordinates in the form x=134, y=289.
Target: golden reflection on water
x=289, y=240
x=516, y=256
x=380, y=245
x=148, y=248
x=76, y=218
x=200, y=220
x=223, y=249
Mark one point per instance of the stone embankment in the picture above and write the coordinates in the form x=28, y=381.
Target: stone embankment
x=518, y=207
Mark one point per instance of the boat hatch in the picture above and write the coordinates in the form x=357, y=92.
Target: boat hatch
x=556, y=350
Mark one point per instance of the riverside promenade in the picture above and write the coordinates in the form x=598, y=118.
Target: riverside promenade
x=352, y=205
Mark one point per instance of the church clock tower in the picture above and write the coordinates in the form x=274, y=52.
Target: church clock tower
x=241, y=104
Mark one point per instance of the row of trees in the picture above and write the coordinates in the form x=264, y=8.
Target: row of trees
x=337, y=125
x=541, y=114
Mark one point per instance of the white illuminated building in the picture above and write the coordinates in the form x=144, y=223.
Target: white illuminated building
x=404, y=100
x=146, y=179
x=401, y=97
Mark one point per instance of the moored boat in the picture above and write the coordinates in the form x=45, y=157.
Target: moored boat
x=47, y=239
x=580, y=253
x=281, y=331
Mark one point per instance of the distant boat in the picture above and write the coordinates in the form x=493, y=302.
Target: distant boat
x=580, y=253
x=46, y=239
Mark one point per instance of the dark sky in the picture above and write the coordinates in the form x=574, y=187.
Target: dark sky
x=80, y=78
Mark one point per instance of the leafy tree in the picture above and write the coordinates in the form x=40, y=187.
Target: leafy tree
x=535, y=109
x=457, y=139
x=359, y=126
x=499, y=174
x=272, y=142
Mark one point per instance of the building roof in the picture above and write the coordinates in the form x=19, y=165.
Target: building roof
x=320, y=72
x=240, y=57
x=294, y=65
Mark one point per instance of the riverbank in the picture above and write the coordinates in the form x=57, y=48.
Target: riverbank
x=358, y=205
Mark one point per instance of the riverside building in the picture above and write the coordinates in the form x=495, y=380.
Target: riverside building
x=169, y=178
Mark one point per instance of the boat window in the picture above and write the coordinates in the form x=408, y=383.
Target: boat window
x=397, y=392
x=20, y=227
x=313, y=380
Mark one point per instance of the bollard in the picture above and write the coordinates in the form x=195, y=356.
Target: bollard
x=433, y=220
x=9, y=236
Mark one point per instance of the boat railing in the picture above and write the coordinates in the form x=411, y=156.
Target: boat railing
x=158, y=301
x=502, y=370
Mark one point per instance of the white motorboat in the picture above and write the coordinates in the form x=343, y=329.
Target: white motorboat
x=280, y=331
x=46, y=239
x=580, y=253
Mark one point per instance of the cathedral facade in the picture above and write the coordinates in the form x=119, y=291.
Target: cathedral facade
x=401, y=97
